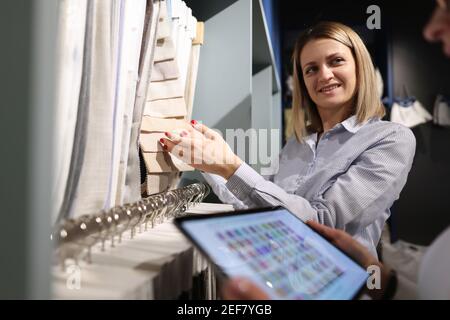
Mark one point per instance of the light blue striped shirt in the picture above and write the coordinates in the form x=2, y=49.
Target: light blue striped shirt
x=348, y=180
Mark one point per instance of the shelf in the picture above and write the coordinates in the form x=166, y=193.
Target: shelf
x=263, y=55
x=206, y=9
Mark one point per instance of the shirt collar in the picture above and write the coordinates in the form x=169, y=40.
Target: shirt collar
x=311, y=140
x=351, y=125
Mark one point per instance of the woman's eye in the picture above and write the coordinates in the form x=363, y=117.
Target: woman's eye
x=338, y=60
x=310, y=70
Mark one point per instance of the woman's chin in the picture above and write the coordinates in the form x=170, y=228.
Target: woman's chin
x=330, y=104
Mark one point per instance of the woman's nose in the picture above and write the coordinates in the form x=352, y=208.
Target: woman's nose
x=325, y=74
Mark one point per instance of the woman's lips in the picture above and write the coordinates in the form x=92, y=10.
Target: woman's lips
x=329, y=89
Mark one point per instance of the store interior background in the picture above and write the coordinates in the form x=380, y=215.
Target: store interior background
x=405, y=60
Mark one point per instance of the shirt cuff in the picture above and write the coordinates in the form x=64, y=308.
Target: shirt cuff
x=243, y=181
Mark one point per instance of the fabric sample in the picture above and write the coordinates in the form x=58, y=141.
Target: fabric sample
x=131, y=28
x=150, y=124
x=165, y=70
x=159, y=182
x=158, y=162
x=150, y=141
x=193, y=68
x=80, y=137
x=94, y=181
x=171, y=91
x=132, y=183
x=182, y=33
x=166, y=108
x=164, y=47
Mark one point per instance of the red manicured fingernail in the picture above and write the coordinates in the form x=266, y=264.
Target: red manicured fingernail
x=161, y=140
x=193, y=122
x=165, y=147
x=167, y=134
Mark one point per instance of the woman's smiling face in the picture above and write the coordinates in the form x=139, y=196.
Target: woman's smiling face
x=329, y=72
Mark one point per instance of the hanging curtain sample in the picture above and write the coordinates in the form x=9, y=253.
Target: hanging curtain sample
x=93, y=186
x=171, y=92
x=70, y=52
x=132, y=190
x=130, y=27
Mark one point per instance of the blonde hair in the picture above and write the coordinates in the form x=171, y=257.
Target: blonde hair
x=367, y=103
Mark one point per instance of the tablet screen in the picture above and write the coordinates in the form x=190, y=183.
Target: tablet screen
x=278, y=252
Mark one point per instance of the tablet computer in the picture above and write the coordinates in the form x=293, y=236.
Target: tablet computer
x=277, y=251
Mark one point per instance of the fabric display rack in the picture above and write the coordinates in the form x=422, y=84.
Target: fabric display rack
x=134, y=251
x=107, y=79
x=126, y=74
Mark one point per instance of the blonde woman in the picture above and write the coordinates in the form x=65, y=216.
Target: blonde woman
x=343, y=168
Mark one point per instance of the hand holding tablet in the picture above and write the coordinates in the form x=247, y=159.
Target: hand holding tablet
x=276, y=251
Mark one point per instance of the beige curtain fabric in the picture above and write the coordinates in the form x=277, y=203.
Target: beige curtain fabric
x=159, y=182
x=158, y=162
x=70, y=52
x=193, y=68
x=94, y=180
x=171, y=92
x=166, y=108
x=132, y=190
x=130, y=31
x=150, y=141
x=125, y=66
x=165, y=70
x=150, y=124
